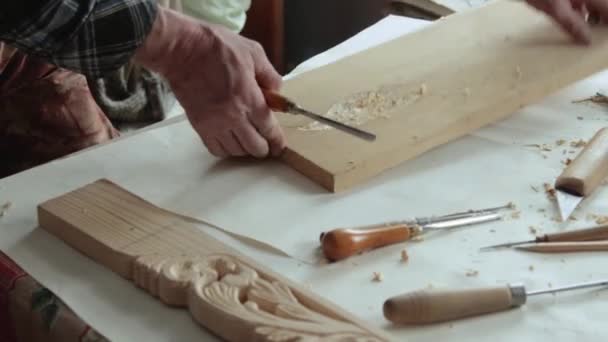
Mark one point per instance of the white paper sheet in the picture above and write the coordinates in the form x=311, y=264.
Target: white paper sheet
x=270, y=202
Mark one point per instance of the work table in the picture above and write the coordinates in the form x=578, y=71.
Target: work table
x=504, y=162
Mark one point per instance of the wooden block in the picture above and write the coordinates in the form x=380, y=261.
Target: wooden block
x=164, y=254
x=459, y=74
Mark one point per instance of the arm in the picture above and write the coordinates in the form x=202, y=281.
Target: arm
x=216, y=74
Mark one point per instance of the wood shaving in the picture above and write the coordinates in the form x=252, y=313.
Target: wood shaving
x=533, y=230
x=560, y=142
x=567, y=161
x=602, y=220
x=378, y=277
x=472, y=273
x=541, y=210
x=550, y=191
x=518, y=72
x=417, y=238
x=404, y=256
x=578, y=143
x=362, y=107
x=423, y=89
x=511, y=205
x=531, y=268
x=5, y=207
x=534, y=188
x=515, y=215
x=579, y=118
x=598, y=98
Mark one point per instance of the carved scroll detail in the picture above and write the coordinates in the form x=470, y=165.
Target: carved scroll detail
x=220, y=291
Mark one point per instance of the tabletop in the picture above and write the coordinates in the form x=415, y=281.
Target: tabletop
x=508, y=161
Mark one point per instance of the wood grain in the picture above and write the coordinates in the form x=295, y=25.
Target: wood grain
x=166, y=255
x=477, y=67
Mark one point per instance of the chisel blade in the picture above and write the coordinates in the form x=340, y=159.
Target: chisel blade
x=567, y=203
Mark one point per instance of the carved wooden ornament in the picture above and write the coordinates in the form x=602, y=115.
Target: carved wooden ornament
x=166, y=255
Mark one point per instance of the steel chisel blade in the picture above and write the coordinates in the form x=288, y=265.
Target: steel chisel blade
x=567, y=203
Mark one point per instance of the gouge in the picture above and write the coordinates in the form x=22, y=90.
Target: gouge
x=342, y=243
x=583, y=175
x=587, y=234
x=435, y=306
x=282, y=104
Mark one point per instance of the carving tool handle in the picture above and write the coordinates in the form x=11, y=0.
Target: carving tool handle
x=277, y=102
x=588, y=234
x=434, y=306
x=588, y=169
x=340, y=244
x=567, y=247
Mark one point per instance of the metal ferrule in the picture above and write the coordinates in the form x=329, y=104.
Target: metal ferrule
x=518, y=294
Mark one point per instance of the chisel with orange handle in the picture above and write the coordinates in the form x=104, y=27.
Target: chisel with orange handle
x=282, y=104
x=342, y=243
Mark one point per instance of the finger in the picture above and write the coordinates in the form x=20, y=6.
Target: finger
x=268, y=127
x=570, y=20
x=252, y=141
x=265, y=73
x=231, y=145
x=214, y=147
x=599, y=10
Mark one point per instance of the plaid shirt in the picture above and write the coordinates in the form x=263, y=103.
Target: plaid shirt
x=92, y=37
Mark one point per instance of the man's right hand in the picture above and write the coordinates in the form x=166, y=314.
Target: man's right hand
x=217, y=77
x=571, y=15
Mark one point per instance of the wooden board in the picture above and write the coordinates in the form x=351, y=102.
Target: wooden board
x=476, y=67
x=163, y=253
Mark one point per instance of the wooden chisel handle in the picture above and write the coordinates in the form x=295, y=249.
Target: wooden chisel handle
x=588, y=234
x=340, y=244
x=277, y=102
x=434, y=306
x=589, y=168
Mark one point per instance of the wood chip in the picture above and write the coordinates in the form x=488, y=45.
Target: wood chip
x=472, y=273
x=578, y=143
x=531, y=268
x=417, y=239
x=404, y=256
x=423, y=89
x=567, y=161
x=5, y=207
x=598, y=98
x=533, y=230
x=511, y=205
x=560, y=142
x=550, y=191
x=515, y=215
x=378, y=277
x=534, y=188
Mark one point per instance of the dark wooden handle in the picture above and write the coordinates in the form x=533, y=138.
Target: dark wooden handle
x=276, y=102
x=589, y=168
x=588, y=234
x=433, y=306
x=340, y=244
x=567, y=247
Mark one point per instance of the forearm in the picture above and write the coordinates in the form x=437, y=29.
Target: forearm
x=171, y=40
x=92, y=37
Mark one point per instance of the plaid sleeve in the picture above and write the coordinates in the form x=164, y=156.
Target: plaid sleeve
x=92, y=37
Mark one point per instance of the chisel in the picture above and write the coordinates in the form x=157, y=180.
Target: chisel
x=282, y=104
x=435, y=306
x=586, y=234
x=342, y=243
x=583, y=175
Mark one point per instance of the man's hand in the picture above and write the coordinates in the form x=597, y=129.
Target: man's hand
x=217, y=76
x=571, y=15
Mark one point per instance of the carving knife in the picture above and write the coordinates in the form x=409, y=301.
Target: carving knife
x=583, y=175
x=282, y=104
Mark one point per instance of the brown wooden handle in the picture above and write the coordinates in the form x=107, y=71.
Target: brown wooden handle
x=589, y=168
x=340, y=244
x=434, y=306
x=276, y=102
x=588, y=234
x=567, y=247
